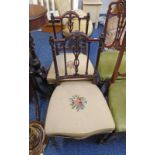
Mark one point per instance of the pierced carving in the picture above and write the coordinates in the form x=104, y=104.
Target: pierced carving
x=115, y=25
x=76, y=43
x=70, y=25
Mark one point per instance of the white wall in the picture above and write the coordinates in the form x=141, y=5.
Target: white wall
x=78, y=4
x=75, y=4
x=30, y=1
x=104, y=6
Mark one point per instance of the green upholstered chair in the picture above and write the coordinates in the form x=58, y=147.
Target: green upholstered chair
x=117, y=95
x=114, y=31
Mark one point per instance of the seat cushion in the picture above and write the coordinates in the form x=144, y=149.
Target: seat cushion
x=70, y=66
x=117, y=104
x=78, y=109
x=107, y=63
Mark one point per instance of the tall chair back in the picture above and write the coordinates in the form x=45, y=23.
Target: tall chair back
x=80, y=43
x=115, y=25
x=70, y=21
x=119, y=60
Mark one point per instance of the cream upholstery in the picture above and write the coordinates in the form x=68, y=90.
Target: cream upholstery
x=64, y=119
x=70, y=66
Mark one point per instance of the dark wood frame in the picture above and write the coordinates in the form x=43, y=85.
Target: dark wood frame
x=116, y=9
x=118, y=62
x=70, y=15
x=80, y=42
x=37, y=19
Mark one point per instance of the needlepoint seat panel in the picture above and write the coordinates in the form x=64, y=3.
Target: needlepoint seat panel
x=107, y=63
x=70, y=66
x=78, y=109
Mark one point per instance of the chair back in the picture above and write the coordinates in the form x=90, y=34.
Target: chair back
x=75, y=43
x=115, y=25
x=67, y=20
x=119, y=60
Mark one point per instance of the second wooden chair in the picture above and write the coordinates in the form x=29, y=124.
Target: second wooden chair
x=114, y=31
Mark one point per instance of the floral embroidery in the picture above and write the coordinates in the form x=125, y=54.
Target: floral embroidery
x=78, y=102
x=70, y=64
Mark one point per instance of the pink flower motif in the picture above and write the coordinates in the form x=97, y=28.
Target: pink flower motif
x=78, y=102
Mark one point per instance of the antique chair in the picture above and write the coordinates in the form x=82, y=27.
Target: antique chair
x=117, y=95
x=77, y=108
x=72, y=21
x=68, y=6
x=114, y=30
x=70, y=16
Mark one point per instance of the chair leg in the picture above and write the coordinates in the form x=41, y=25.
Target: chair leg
x=100, y=138
x=106, y=138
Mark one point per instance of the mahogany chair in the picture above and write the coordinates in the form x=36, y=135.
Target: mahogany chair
x=77, y=108
x=72, y=21
x=114, y=31
x=117, y=94
x=63, y=7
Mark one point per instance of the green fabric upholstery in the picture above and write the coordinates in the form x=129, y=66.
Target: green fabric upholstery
x=107, y=63
x=117, y=103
